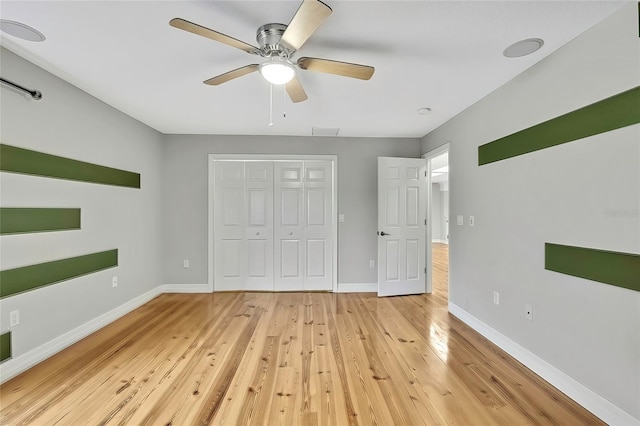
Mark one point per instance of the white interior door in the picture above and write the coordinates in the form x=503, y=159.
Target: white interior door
x=318, y=231
x=259, y=229
x=273, y=224
x=243, y=224
x=229, y=226
x=402, y=193
x=303, y=229
x=289, y=225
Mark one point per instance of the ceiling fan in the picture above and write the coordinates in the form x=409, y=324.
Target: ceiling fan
x=278, y=43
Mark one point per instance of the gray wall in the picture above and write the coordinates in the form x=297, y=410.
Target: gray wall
x=70, y=123
x=185, y=196
x=588, y=330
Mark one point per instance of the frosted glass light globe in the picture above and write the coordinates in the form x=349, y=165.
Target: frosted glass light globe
x=277, y=71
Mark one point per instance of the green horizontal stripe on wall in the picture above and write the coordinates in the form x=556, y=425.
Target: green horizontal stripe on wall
x=25, y=161
x=609, y=114
x=26, y=278
x=19, y=220
x=5, y=346
x=609, y=267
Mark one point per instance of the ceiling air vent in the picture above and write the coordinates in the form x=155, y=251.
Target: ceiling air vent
x=322, y=131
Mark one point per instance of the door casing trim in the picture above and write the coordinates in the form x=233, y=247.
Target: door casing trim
x=429, y=262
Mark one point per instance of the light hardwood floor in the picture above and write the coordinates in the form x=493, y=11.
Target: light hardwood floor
x=287, y=359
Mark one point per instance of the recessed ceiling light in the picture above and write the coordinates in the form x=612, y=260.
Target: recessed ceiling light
x=20, y=30
x=523, y=47
x=424, y=111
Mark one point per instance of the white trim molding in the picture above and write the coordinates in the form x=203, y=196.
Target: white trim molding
x=19, y=364
x=429, y=252
x=357, y=288
x=599, y=406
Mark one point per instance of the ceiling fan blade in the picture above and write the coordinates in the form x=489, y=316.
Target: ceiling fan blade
x=346, y=69
x=295, y=91
x=307, y=19
x=213, y=35
x=239, y=72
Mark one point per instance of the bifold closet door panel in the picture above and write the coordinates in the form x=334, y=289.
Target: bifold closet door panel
x=243, y=225
x=273, y=225
x=318, y=235
x=259, y=225
x=229, y=226
x=289, y=225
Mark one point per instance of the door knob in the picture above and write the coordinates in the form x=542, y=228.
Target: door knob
x=383, y=233
x=257, y=233
x=290, y=233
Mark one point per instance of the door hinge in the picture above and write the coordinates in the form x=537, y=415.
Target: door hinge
x=425, y=221
x=425, y=269
x=425, y=173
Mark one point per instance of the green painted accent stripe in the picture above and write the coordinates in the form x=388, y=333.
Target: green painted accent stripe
x=17, y=220
x=20, y=160
x=609, y=114
x=5, y=346
x=609, y=267
x=26, y=278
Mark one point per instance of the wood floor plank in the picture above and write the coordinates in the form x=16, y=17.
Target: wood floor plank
x=288, y=359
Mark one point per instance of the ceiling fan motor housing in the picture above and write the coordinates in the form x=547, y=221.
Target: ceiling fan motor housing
x=268, y=38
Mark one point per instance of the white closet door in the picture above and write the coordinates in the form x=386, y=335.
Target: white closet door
x=273, y=225
x=289, y=225
x=318, y=236
x=229, y=226
x=243, y=225
x=259, y=225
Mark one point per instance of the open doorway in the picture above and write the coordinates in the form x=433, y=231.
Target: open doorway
x=438, y=226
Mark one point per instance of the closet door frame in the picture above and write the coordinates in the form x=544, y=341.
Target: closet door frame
x=333, y=159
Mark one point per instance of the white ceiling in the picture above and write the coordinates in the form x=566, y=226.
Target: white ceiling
x=445, y=55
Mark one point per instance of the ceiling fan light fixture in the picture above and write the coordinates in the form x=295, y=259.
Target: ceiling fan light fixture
x=277, y=71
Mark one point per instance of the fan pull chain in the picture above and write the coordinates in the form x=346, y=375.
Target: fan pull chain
x=270, y=105
x=284, y=101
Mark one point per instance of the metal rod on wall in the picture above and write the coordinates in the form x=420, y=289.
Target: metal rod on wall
x=35, y=94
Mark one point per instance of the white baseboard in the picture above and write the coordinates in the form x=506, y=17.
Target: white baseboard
x=185, y=288
x=440, y=241
x=17, y=365
x=357, y=287
x=584, y=396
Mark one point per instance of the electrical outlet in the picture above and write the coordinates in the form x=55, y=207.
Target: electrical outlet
x=185, y=263
x=114, y=281
x=372, y=264
x=460, y=220
x=14, y=318
x=496, y=298
x=528, y=312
